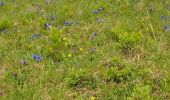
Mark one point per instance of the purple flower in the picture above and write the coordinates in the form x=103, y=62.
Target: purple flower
x=68, y=23
x=2, y=3
x=36, y=57
x=166, y=27
x=163, y=17
x=99, y=20
x=35, y=36
x=46, y=2
x=75, y=63
x=95, y=11
x=46, y=25
x=93, y=35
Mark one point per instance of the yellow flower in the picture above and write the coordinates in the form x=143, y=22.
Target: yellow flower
x=92, y=98
x=64, y=38
x=66, y=43
x=81, y=49
x=69, y=55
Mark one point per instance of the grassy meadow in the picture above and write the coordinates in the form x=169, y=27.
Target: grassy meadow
x=84, y=50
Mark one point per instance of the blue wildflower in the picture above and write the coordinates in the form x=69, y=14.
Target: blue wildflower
x=163, y=17
x=166, y=27
x=36, y=57
x=95, y=11
x=67, y=23
x=75, y=63
x=2, y=3
x=46, y=2
x=46, y=25
x=99, y=20
x=93, y=35
x=35, y=36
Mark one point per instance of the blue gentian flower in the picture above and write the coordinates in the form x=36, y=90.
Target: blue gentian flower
x=36, y=57
x=99, y=20
x=2, y=3
x=67, y=23
x=46, y=2
x=93, y=35
x=166, y=27
x=46, y=25
x=95, y=11
x=163, y=17
x=35, y=36
x=75, y=63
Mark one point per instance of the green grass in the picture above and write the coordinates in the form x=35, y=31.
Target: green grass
x=88, y=49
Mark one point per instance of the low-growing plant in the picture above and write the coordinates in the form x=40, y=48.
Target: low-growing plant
x=118, y=71
x=142, y=92
x=56, y=46
x=5, y=24
x=127, y=40
x=164, y=84
x=81, y=79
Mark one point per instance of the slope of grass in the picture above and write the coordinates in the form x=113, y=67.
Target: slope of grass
x=84, y=49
